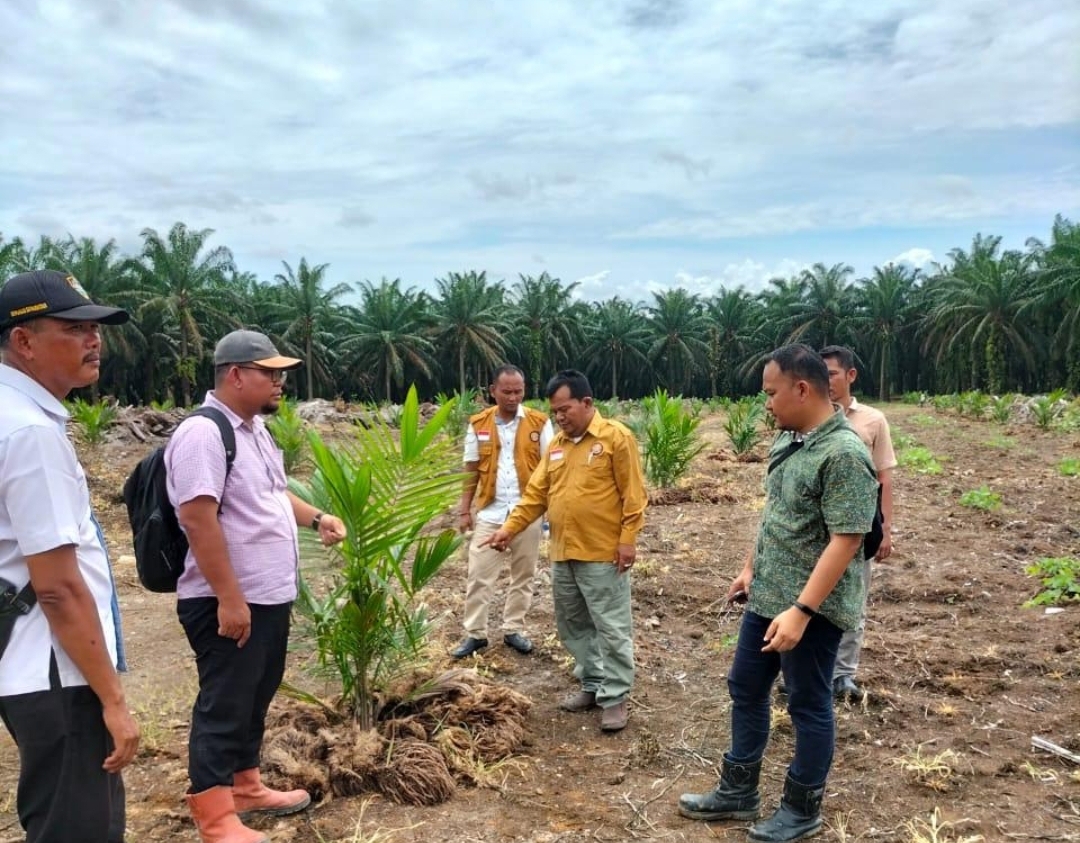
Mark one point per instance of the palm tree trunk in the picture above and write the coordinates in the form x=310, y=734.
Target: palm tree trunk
x=461, y=371
x=883, y=387
x=185, y=384
x=310, y=368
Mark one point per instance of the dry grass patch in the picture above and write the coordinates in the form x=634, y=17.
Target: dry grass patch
x=936, y=772
x=935, y=830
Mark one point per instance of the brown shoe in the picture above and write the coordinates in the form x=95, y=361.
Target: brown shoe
x=578, y=701
x=614, y=717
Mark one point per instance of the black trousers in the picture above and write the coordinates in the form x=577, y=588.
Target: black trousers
x=64, y=795
x=236, y=685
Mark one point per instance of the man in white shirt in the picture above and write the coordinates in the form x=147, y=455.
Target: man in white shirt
x=60, y=695
x=503, y=444
x=873, y=429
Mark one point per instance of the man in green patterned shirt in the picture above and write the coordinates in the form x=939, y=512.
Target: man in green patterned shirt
x=803, y=593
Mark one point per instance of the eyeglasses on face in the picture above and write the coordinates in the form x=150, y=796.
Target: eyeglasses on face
x=276, y=375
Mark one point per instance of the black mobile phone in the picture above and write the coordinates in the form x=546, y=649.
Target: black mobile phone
x=740, y=597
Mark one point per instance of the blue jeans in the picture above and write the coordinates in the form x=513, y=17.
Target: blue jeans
x=808, y=672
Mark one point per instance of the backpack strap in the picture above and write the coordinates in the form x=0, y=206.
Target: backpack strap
x=228, y=435
x=787, y=452
x=228, y=438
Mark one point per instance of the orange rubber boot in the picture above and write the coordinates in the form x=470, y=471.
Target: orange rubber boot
x=215, y=817
x=252, y=796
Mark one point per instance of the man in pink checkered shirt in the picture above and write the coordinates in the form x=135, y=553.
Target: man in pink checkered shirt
x=239, y=583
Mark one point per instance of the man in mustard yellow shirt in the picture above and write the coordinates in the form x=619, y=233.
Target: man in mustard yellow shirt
x=591, y=485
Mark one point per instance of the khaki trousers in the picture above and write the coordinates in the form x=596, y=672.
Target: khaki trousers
x=485, y=564
x=847, y=657
x=595, y=625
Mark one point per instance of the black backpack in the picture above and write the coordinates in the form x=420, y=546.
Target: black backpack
x=871, y=540
x=160, y=544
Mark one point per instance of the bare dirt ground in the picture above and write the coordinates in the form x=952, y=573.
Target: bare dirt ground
x=956, y=671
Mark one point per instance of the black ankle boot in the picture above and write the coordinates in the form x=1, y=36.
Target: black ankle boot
x=798, y=816
x=736, y=797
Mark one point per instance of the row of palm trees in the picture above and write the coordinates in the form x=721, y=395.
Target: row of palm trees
x=987, y=318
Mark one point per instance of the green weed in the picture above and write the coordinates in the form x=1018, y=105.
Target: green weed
x=1001, y=442
x=982, y=498
x=902, y=440
x=1060, y=578
x=919, y=459
x=1069, y=467
x=926, y=420
x=914, y=398
x=1069, y=420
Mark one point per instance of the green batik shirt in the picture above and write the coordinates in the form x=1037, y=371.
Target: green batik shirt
x=827, y=487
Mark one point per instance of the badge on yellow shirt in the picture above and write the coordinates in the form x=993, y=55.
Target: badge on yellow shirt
x=555, y=454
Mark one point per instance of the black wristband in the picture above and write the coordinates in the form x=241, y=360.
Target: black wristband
x=316, y=521
x=806, y=610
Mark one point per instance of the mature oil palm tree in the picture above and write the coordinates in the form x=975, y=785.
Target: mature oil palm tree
x=18, y=256
x=386, y=334
x=677, y=328
x=308, y=319
x=780, y=298
x=733, y=334
x=822, y=312
x=157, y=349
x=616, y=336
x=982, y=301
x=10, y=254
x=882, y=313
x=471, y=324
x=547, y=324
x=1058, y=290
x=179, y=273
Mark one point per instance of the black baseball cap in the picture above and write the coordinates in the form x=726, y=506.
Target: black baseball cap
x=47, y=292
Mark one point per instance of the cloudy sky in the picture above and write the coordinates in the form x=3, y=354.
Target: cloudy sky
x=629, y=145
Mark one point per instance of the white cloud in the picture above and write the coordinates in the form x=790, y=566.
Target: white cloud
x=648, y=137
x=915, y=257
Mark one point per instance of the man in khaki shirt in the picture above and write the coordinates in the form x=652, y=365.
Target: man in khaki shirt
x=591, y=485
x=873, y=429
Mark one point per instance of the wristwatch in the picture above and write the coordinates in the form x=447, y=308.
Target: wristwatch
x=316, y=521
